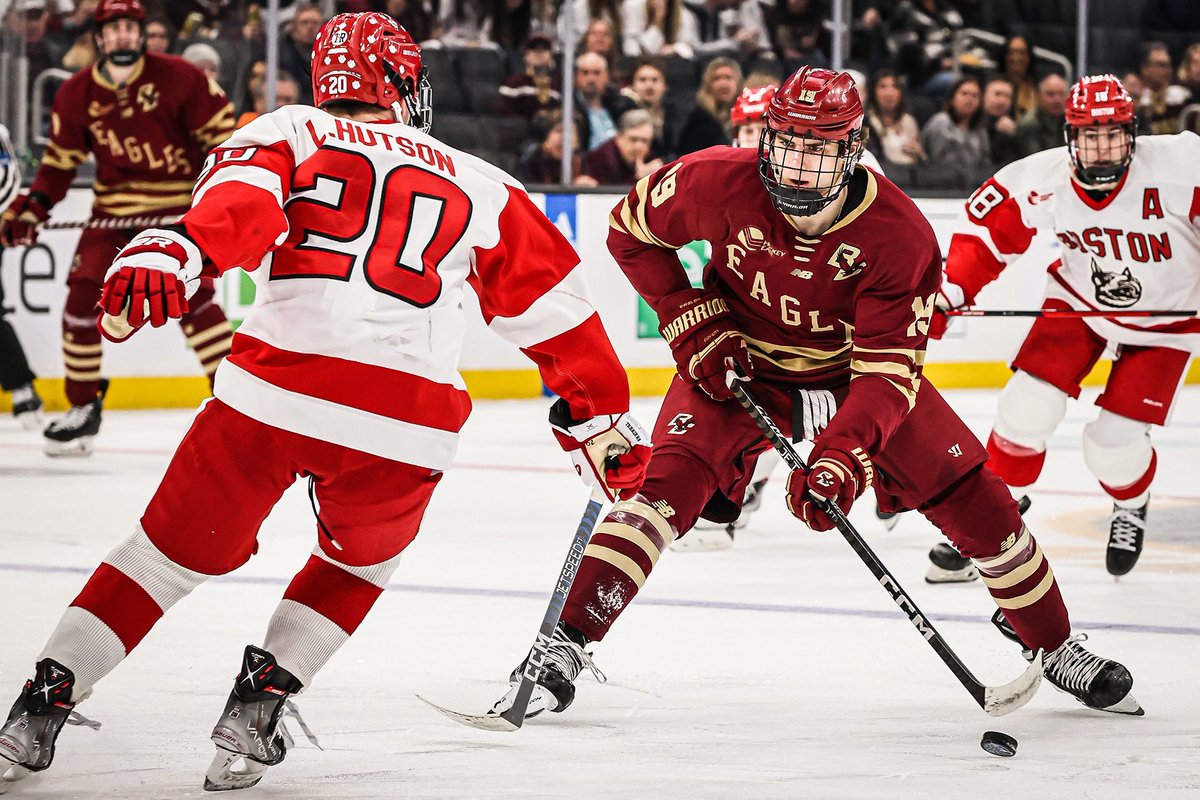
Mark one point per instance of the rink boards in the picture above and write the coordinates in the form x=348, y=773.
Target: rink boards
x=157, y=369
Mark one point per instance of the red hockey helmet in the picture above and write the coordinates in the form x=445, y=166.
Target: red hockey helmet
x=108, y=10
x=751, y=105
x=1097, y=101
x=811, y=108
x=369, y=58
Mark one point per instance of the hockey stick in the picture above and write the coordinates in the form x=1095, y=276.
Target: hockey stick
x=995, y=700
x=513, y=717
x=110, y=223
x=1069, y=313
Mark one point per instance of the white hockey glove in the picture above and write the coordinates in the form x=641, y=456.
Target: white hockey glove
x=950, y=297
x=610, y=452
x=149, y=281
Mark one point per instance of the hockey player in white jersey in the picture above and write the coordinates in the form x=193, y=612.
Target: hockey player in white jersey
x=362, y=231
x=1124, y=208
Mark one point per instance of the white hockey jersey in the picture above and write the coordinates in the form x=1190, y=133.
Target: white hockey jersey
x=361, y=237
x=1138, y=248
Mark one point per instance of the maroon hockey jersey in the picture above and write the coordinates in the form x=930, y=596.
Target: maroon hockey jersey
x=851, y=305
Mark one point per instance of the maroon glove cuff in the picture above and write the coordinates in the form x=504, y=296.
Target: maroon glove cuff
x=690, y=310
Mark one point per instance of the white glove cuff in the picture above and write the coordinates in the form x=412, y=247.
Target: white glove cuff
x=168, y=245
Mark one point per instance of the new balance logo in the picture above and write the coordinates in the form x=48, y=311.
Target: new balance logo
x=664, y=508
x=955, y=450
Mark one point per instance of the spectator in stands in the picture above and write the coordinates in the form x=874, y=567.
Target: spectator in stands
x=1001, y=127
x=205, y=58
x=895, y=135
x=1042, y=129
x=648, y=88
x=418, y=17
x=511, y=23
x=728, y=25
x=538, y=87
x=1016, y=62
x=205, y=19
x=797, y=28
x=295, y=49
x=583, y=12
x=598, y=100
x=1189, y=71
x=541, y=160
x=600, y=38
x=626, y=158
x=29, y=20
x=707, y=124
x=657, y=28
x=287, y=93
x=159, y=36
x=955, y=138
x=1162, y=100
x=464, y=23
x=921, y=36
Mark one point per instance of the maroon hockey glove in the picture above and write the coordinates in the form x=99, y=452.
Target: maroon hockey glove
x=146, y=283
x=610, y=451
x=18, y=223
x=704, y=340
x=835, y=475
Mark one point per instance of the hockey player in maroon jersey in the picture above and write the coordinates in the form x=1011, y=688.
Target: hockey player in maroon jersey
x=149, y=120
x=1124, y=208
x=820, y=287
x=363, y=232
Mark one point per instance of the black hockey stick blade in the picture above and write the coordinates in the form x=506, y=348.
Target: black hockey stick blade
x=513, y=717
x=995, y=700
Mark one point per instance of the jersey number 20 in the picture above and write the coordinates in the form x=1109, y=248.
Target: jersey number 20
x=334, y=226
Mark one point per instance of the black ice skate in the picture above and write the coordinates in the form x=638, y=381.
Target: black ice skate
x=43, y=707
x=27, y=407
x=251, y=735
x=705, y=535
x=555, y=690
x=1126, y=533
x=72, y=433
x=947, y=565
x=1099, y=683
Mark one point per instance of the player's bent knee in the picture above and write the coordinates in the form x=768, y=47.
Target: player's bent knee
x=1029, y=410
x=978, y=514
x=1117, y=449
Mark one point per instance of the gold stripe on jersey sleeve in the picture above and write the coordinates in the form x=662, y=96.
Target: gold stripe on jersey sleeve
x=127, y=204
x=642, y=188
x=815, y=353
x=615, y=224
x=217, y=129
x=160, y=186
x=59, y=157
x=910, y=393
x=882, y=368
x=868, y=198
x=915, y=356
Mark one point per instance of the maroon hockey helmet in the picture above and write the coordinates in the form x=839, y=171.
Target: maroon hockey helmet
x=108, y=10
x=369, y=58
x=1099, y=101
x=812, y=107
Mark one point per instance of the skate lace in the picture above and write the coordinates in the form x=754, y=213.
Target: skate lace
x=1127, y=523
x=77, y=417
x=75, y=718
x=571, y=659
x=1073, y=666
x=293, y=711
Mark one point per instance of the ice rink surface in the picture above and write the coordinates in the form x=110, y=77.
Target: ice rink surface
x=776, y=669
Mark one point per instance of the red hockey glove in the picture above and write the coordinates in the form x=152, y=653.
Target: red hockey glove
x=610, y=451
x=18, y=223
x=149, y=282
x=704, y=340
x=835, y=475
x=950, y=297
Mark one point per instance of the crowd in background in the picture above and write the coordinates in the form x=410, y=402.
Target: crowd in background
x=655, y=79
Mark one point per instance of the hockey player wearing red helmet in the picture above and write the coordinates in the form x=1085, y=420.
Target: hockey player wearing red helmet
x=364, y=233
x=1122, y=206
x=819, y=290
x=749, y=113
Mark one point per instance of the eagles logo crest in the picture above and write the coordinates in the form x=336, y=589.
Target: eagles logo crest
x=147, y=96
x=848, y=259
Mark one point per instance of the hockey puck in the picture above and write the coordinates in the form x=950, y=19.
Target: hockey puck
x=999, y=744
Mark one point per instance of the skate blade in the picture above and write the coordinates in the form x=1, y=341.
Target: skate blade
x=11, y=775
x=482, y=722
x=1127, y=705
x=700, y=540
x=225, y=774
x=31, y=420
x=889, y=520
x=79, y=448
x=1001, y=700
x=938, y=575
